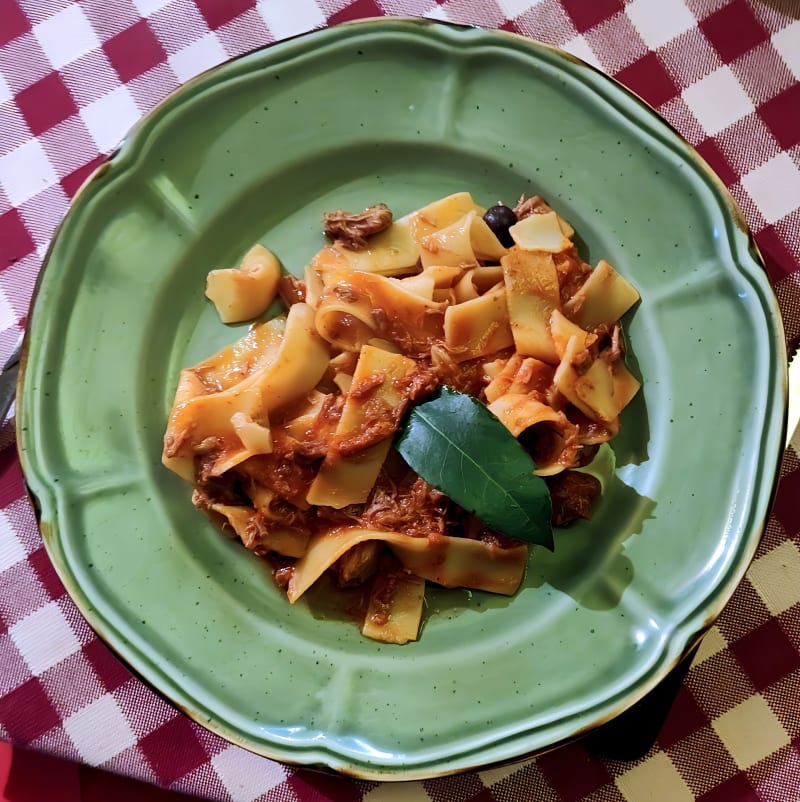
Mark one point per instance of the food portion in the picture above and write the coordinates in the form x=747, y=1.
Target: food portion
x=478, y=336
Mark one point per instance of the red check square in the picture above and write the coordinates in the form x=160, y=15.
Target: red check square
x=733, y=30
x=15, y=241
x=778, y=258
x=685, y=717
x=782, y=116
x=46, y=574
x=736, y=788
x=71, y=183
x=315, y=785
x=217, y=12
x=649, y=79
x=12, y=485
x=134, y=51
x=173, y=750
x=14, y=21
x=718, y=162
x=573, y=773
x=766, y=654
x=107, y=667
x=587, y=15
x=785, y=508
x=361, y=9
x=27, y=712
x=46, y=103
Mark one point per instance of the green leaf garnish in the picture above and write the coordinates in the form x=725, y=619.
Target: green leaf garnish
x=459, y=447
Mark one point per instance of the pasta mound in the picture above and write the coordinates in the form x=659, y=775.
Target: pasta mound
x=286, y=435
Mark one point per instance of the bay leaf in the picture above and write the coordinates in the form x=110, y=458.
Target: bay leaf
x=459, y=447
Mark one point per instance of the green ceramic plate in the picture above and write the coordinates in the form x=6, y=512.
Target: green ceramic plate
x=401, y=112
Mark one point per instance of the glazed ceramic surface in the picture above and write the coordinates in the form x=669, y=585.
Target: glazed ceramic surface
x=400, y=112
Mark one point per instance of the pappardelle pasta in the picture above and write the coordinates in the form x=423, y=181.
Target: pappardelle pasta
x=287, y=434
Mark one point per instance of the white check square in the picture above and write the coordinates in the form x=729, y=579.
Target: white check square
x=718, y=100
x=774, y=187
x=200, y=55
x=148, y=7
x=786, y=43
x=99, y=730
x=245, y=775
x=513, y=8
x=438, y=13
x=579, y=47
x=11, y=550
x=44, y=638
x=751, y=731
x=5, y=90
x=774, y=576
x=65, y=36
x=289, y=19
x=659, y=23
x=110, y=117
x=25, y=172
x=658, y=772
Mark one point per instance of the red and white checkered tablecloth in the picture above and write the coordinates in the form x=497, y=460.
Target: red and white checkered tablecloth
x=74, y=76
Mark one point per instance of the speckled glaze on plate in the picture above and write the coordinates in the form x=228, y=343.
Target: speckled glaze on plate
x=403, y=112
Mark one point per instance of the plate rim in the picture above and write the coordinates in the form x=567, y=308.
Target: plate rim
x=337, y=762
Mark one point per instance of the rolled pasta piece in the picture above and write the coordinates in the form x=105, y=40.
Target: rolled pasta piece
x=477, y=281
x=294, y=368
x=392, y=252
x=532, y=292
x=345, y=317
x=394, y=609
x=541, y=232
x=440, y=214
x=551, y=438
x=563, y=330
x=411, y=321
x=520, y=374
x=604, y=298
x=257, y=349
x=478, y=327
x=463, y=242
x=245, y=292
x=432, y=279
x=314, y=286
x=449, y=561
x=601, y=389
x=451, y=245
x=250, y=528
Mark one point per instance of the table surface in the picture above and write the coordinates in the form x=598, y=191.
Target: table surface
x=75, y=76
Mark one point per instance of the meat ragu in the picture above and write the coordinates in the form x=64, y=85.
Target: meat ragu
x=287, y=435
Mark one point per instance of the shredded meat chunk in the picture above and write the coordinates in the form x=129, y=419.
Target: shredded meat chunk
x=604, y=342
x=534, y=205
x=291, y=290
x=289, y=479
x=610, y=345
x=225, y=489
x=353, y=229
x=407, y=504
x=358, y=564
x=411, y=506
x=283, y=574
x=466, y=377
x=314, y=444
x=573, y=494
x=572, y=274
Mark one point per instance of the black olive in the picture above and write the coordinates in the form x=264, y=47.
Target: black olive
x=500, y=218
